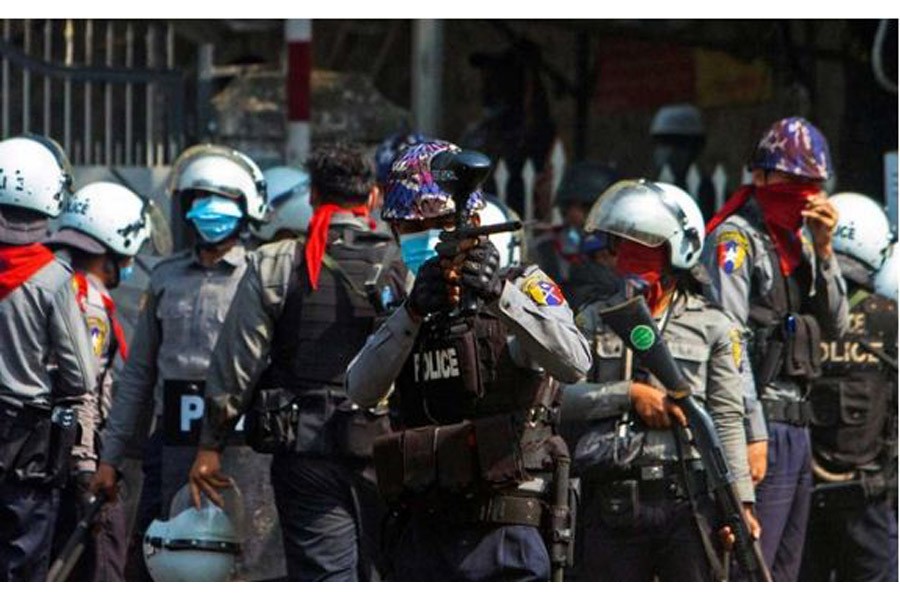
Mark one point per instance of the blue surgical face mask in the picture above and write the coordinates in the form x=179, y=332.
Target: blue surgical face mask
x=126, y=272
x=215, y=217
x=418, y=247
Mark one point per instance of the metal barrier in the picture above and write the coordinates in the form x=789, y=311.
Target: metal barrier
x=134, y=80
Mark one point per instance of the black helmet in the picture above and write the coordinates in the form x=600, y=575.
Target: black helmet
x=583, y=183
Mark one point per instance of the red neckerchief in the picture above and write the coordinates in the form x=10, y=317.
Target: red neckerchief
x=81, y=291
x=317, y=235
x=19, y=263
x=781, y=205
x=647, y=263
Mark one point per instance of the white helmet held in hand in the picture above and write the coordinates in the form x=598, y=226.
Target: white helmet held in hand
x=104, y=216
x=195, y=545
x=34, y=174
x=651, y=214
x=223, y=171
x=863, y=231
x=288, y=199
x=885, y=280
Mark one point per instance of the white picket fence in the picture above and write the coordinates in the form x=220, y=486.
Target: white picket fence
x=558, y=162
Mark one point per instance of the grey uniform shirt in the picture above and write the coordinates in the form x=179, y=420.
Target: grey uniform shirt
x=706, y=342
x=182, y=314
x=93, y=413
x=241, y=355
x=41, y=325
x=543, y=336
x=741, y=271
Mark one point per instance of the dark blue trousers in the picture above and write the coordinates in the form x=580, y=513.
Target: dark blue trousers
x=661, y=543
x=851, y=544
x=330, y=516
x=27, y=519
x=426, y=547
x=782, y=500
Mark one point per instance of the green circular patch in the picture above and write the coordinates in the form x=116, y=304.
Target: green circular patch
x=642, y=337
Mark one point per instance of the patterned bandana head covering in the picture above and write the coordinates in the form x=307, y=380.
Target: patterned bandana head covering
x=793, y=146
x=412, y=194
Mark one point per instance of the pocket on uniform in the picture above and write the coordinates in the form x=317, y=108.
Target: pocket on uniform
x=856, y=397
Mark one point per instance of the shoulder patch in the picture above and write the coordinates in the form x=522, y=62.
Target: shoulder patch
x=542, y=290
x=731, y=250
x=99, y=331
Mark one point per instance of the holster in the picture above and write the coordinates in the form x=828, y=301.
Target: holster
x=36, y=444
x=312, y=423
x=803, y=355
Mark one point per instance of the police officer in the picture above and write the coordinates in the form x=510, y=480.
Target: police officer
x=854, y=412
x=559, y=251
x=103, y=226
x=301, y=312
x=40, y=327
x=218, y=190
x=782, y=281
x=646, y=512
x=289, y=210
x=679, y=135
x=474, y=391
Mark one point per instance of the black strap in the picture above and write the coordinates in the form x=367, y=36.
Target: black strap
x=185, y=544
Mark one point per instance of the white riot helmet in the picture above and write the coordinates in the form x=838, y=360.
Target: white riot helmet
x=509, y=244
x=885, y=279
x=195, y=545
x=288, y=199
x=34, y=174
x=223, y=171
x=651, y=214
x=102, y=217
x=863, y=231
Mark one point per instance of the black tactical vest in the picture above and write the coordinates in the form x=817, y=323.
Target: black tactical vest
x=786, y=339
x=853, y=400
x=463, y=370
x=319, y=332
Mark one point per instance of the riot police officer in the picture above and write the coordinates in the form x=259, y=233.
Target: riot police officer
x=559, y=251
x=160, y=391
x=784, y=284
x=646, y=512
x=301, y=312
x=474, y=387
x=39, y=323
x=854, y=412
x=103, y=226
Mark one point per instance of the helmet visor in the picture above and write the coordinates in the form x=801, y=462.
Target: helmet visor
x=636, y=210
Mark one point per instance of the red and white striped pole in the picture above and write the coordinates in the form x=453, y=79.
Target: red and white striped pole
x=298, y=37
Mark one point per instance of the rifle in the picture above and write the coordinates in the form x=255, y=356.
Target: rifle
x=72, y=551
x=631, y=320
x=461, y=173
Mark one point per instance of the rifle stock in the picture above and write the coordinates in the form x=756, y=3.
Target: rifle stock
x=632, y=322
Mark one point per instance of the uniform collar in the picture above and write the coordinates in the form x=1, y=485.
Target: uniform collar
x=346, y=219
x=234, y=258
x=96, y=283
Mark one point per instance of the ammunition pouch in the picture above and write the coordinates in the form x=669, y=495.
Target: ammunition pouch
x=36, y=444
x=790, y=350
x=320, y=423
x=608, y=446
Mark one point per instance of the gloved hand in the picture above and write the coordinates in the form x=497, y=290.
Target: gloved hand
x=429, y=293
x=480, y=271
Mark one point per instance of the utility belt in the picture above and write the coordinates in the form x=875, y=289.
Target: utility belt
x=36, y=443
x=316, y=422
x=792, y=412
x=619, y=499
x=849, y=490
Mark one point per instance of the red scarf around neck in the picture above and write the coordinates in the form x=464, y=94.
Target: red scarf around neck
x=19, y=263
x=81, y=292
x=647, y=264
x=317, y=235
x=781, y=204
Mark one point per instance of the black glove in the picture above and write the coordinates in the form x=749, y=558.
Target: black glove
x=429, y=293
x=83, y=494
x=481, y=271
